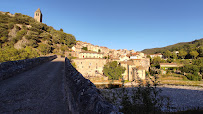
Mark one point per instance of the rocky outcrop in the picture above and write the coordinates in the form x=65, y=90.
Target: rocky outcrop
x=11, y=68
x=82, y=94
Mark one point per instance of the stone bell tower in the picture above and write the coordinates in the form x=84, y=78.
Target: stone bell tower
x=38, y=15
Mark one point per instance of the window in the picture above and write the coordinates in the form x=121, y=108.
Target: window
x=81, y=62
x=90, y=64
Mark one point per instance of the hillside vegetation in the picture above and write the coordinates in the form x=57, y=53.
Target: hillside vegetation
x=196, y=45
x=188, y=55
x=22, y=37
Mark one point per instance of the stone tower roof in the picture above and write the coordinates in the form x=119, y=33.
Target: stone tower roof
x=38, y=10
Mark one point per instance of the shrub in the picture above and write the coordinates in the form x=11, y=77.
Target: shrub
x=44, y=49
x=85, y=48
x=193, y=77
x=11, y=25
x=145, y=98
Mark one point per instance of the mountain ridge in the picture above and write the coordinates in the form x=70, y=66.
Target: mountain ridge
x=175, y=47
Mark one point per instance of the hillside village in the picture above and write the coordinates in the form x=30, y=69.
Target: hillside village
x=90, y=60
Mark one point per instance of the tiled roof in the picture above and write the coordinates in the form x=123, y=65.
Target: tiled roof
x=127, y=62
x=134, y=54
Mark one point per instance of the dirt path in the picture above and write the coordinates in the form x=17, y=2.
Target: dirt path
x=39, y=90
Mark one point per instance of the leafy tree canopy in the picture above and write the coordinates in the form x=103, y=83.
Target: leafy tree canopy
x=113, y=70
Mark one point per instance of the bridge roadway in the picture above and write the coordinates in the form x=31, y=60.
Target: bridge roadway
x=39, y=90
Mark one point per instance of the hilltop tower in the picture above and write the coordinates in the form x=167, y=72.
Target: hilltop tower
x=38, y=15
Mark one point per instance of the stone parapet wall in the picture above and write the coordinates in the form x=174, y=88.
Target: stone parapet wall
x=82, y=94
x=11, y=68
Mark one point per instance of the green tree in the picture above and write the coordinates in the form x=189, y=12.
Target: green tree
x=61, y=29
x=182, y=53
x=85, y=48
x=167, y=54
x=155, y=62
x=200, y=51
x=113, y=70
x=174, y=55
x=194, y=54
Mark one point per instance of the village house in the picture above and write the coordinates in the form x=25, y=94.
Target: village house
x=76, y=51
x=169, y=66
x=156, y=55
x=137, y=55
x=145, y=63
x=132, y=72
x=90, y=67
x=90, y=54
x=123, y=58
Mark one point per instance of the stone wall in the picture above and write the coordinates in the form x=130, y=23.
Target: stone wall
x=11, y=68
x=82, y=94
x=90, y=66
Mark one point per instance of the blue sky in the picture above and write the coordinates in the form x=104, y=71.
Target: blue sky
x=119, y=24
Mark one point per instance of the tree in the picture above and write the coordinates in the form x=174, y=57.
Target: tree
x=200, y=50
x=193, y=69
x=113, y=70
x=182, y=54
x=99, y=50
x=167, y=54
x=194, y=54
x=85, y=48
x=61, y=30
x=156, y=62
x=174, y=55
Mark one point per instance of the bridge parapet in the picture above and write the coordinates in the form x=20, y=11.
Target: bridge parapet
x=82, y=94
x=11, y=68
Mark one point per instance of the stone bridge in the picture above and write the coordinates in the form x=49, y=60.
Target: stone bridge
x=48, y=85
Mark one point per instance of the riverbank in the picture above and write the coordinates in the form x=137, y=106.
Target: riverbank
x=181, y=98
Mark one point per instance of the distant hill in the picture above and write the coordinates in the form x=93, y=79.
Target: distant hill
x=22, y=37
x=187, y=46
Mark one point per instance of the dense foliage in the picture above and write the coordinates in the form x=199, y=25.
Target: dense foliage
x=113, y=70
x=19, y=32
x=84, y=48
x=189, y=54
x=194, y=70
x=188, y=50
